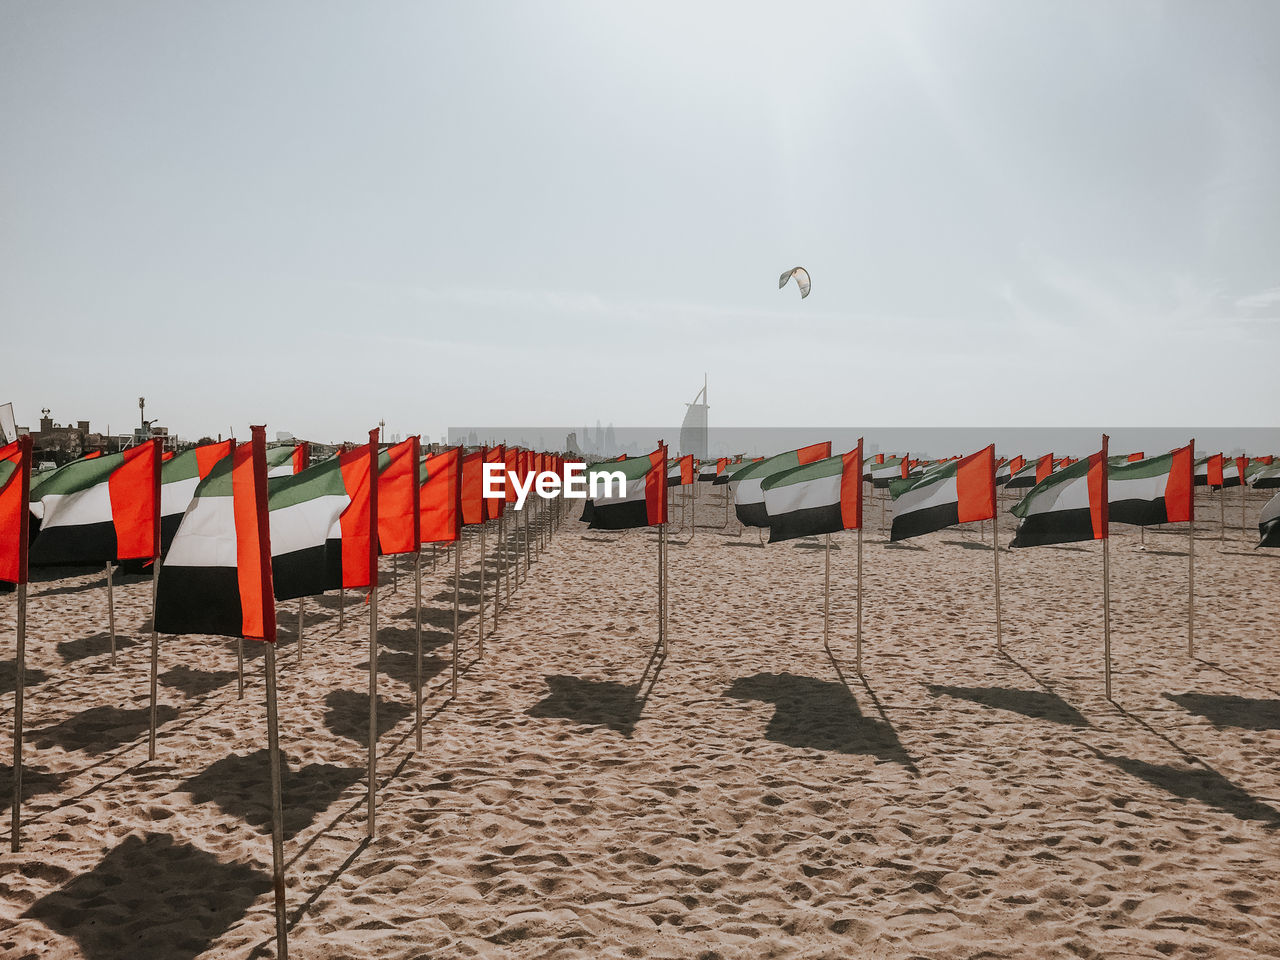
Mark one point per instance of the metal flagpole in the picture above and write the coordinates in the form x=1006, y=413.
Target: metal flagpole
x=858, y=648
x=457, y=576
x=155, y=659
x=480, y=606
x=342, y=606
x=1191, y=580
x=1244, y=525
x=1106, y=612
x=662, y=636
x=239, y=668
x=277, y=808
x=826, y=596
x=373, y=702
x=373, y=629
x=693, y=509
x=503, y=580
x=111, y=614
x=19, y=682
x=301, y=608
x=995, y=552
x=417, y=630
x=1191, y=562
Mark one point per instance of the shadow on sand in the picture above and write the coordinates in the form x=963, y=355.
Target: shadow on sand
x=1204, y=785
x=151, y=897
x=195, y=683
x=240, y=786
x=347, y=714
x=1030, y=703
x=100, y=729
x=819, y=715
x=1227, y=711
x=9, y=676
x=600, y=703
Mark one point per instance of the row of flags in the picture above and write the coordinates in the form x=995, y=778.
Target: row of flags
x=138, y=505
x=808, y=492
x=326, y=521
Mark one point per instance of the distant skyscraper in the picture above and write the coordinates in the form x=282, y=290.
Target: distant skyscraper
x=693, y=432
x=610, y=442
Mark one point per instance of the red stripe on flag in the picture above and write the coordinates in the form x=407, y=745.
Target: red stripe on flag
x=355, y=522
x=134, y=488
x=814, y=452
x=472, y=501
x=1044, y=467
x=655, y=487
x=15, y=511
x=1099, y=495
x=398, y=499
x=493, y=506
x=851, y=488
x=441, y=495
x=253, y=539
x=1178, y=488
x=976, y=486
x=1215, y=470
x=207, y=456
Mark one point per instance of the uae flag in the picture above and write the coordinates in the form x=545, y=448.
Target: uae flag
x=1066, y=506
x=493, y=506
x=216, y=576
x=820, y=497
x=15, y=510
x=1233, y=469
x=441, y=495
x=680, y=472
x=637, y=493
x=748, y=498
x=399, y=510
x=287, y=460
x=882, y=471
x=1031, y=473
x=1202, y=472
x=1269, y=523
x=960, y=491
x=1152, y=490
x=722, y=470
x=100, y=510
x=1266, y=476
x=179, y=478
x=707, y=471
x=320, y=524
x=472, y=491
x=1007, y=468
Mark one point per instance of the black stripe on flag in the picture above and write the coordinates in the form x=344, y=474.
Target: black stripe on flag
x=809, y=522
x=1055, y=526
x=620, y=516
x=916, y=523
x=199, y=600
x=752, y=514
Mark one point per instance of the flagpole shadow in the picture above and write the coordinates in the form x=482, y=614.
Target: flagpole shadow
x=1235, y=676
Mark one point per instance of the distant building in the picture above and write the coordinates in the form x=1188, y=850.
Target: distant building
x=62, y=444
x=571, y=443
x=693, y=432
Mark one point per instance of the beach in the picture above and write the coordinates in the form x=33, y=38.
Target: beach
x=747, y=795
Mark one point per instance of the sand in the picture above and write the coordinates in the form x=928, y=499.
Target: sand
x=748, y=796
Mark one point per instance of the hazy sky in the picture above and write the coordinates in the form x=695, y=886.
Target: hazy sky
x=322, y=214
